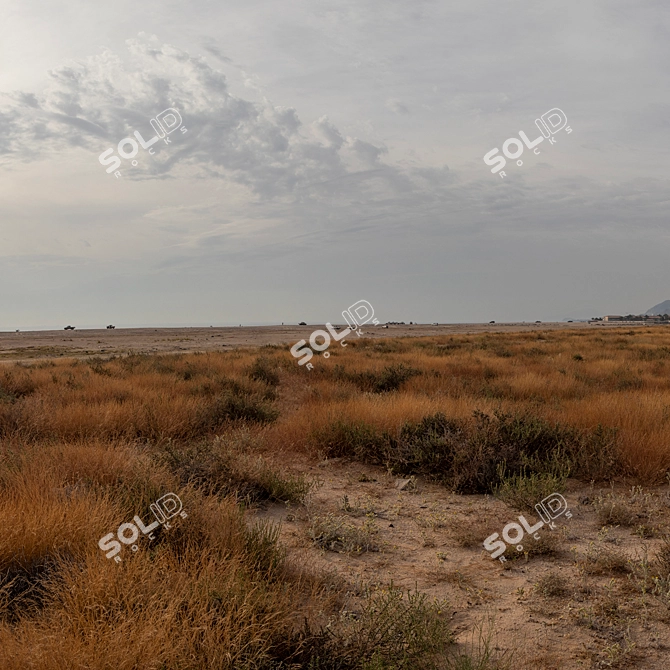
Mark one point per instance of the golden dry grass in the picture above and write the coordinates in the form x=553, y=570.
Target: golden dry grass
x=207, y=593
x=85, y=446
x=617, y=379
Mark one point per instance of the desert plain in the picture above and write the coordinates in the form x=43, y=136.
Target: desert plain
x=335, y=518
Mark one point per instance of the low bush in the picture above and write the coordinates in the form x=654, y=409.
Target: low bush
x=523, y=490
x=231, y=406
x=228, y=466
x=392, y=630
x=264, y=369
x=352, y=439
x=466, y=455
x=599, y=560
x=391, y=378
x=338, y=534
x=552, y=585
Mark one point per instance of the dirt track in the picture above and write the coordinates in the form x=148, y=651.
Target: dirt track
x=81, y=343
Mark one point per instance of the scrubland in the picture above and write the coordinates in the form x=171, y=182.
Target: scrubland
x=498, y=419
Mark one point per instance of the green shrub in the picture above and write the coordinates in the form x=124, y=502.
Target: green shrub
x=353, y=439
x=525, y=444
x=465, y=456
x=427, y=447
x=537, y=480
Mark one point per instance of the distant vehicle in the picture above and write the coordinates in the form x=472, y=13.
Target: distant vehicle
x=68, y=328
x=436, y=324
x=538, y=322
x=302, y=323
x=110, y=327
x=491, y=321
x=570, y=321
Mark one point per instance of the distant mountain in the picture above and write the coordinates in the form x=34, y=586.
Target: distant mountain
x=661, y=308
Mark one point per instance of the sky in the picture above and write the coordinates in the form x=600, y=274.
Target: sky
x=331, y=152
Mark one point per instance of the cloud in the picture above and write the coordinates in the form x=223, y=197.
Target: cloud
x=216, y=52
x=397, y=107
x=96, y=103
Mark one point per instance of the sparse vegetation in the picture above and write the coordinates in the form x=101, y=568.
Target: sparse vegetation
x=600, y=560
x=337, y=534
x=526, y=489
x=552, y=585
x=86, y=445
x=392, y=630
x=615, y=510
x=466, y=455
x=231, y=465
x=547, y=544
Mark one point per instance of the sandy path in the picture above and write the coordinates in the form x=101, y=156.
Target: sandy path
x=419, y=536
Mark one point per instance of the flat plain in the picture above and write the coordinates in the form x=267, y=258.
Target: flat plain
x=92, y=342
x=336, y=518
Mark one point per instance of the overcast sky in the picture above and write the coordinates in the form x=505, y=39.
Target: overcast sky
x=333, y=152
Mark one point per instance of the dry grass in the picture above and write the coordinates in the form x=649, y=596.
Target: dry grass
x=210, y=592
x=552, y=585
x=599, y=560
x=231, y=465
x=338, y=534
x=621, y=386
x=137, y=397
x=86, y=446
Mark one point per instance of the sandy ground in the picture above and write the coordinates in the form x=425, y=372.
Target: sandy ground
x=81, y=343
x=600, y=620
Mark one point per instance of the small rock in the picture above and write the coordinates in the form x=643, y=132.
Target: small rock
x=328, y=461
x=402, y=484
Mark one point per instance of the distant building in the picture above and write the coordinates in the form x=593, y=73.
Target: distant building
x=613, y=317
